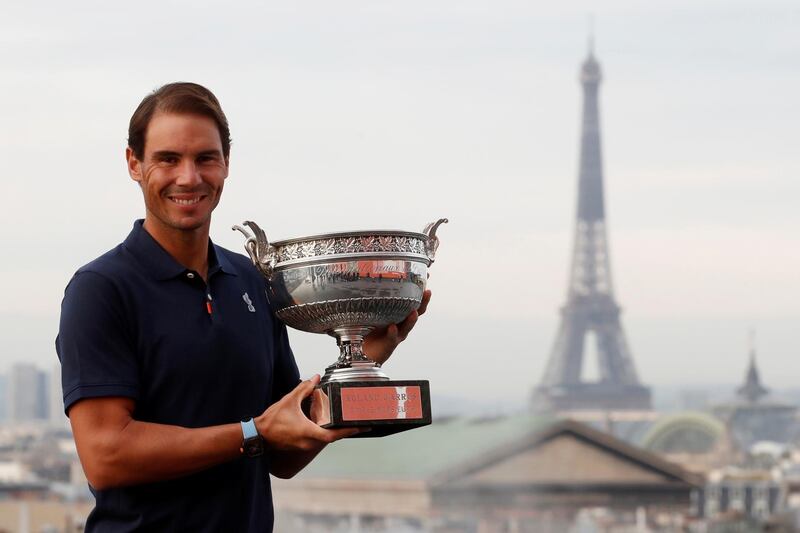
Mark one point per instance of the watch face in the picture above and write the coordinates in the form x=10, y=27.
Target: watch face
x=253, y=447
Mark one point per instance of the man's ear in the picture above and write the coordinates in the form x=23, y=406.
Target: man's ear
x=134, y=165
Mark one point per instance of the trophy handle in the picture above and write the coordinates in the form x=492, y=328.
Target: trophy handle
x=261, y=252
x=433, y=241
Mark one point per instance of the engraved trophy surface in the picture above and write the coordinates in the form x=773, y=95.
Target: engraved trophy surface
x=346, y=285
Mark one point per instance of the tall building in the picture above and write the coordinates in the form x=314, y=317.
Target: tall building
x=27, y=393
x=591, y=311
x=752, y=390
x=753, y=415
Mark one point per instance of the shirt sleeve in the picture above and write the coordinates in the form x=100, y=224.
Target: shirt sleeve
x=95, y=343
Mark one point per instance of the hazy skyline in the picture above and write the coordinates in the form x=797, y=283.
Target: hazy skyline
x=378, y=114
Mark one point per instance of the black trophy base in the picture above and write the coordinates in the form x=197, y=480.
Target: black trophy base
x=385, y=407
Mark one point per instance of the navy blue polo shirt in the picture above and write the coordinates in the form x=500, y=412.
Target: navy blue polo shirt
x=136, y=323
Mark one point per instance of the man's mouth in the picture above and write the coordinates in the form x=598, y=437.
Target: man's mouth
x=186, y=200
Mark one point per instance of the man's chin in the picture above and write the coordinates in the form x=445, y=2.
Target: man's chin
x=189, y=223
x=177, y=222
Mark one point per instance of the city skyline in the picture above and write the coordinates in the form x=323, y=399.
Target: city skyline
x=469, y=111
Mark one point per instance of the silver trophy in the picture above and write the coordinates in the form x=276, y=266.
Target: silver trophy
x=346, y=285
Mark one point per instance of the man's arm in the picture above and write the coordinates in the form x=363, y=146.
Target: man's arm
x=117, y=450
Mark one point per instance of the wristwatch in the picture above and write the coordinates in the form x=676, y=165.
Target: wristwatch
x=253, y=443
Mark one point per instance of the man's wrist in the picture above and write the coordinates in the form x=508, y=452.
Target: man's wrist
x=261, y=425
x=252, y=441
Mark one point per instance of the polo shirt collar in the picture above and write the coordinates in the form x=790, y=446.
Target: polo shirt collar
x=217, y=260
x=163, y=266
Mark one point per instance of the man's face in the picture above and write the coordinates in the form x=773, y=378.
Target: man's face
x=182, y=172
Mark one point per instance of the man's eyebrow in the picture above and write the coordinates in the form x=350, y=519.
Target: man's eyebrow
x=210, y=152
x=161, y=154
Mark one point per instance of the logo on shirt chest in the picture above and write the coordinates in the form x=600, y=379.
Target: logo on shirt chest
x=249, y=303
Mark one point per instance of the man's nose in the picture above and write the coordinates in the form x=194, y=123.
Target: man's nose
x=188, y=174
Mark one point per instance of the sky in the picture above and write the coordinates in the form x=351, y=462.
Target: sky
x=376, y=114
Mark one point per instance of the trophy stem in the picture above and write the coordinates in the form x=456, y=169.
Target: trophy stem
x=352, y=364
x=351, y=344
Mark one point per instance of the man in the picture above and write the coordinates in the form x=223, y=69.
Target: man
x=173, y=364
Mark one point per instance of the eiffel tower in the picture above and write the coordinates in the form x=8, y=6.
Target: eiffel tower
x=590, y=310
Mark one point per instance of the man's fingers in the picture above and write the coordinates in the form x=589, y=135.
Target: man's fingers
x=306, y=388
x=405, y=327
x=393, y=333
x=337, y=434
x=332, y=435
x=423, y=306
x=320, y=408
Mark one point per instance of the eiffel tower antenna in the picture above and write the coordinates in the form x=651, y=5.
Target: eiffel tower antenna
x=591, y=311
x=591, y=34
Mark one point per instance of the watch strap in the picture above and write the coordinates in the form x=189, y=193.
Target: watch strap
x=249, y=430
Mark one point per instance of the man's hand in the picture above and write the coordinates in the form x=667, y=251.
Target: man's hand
x=293, y=439
x=284, y=427
x=380, y=344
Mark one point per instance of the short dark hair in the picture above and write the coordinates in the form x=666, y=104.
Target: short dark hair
x=179, y=97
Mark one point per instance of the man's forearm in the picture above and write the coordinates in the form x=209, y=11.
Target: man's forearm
x=144, y=452
x=117, y=450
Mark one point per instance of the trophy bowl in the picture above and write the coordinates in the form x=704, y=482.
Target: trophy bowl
x=346, y=285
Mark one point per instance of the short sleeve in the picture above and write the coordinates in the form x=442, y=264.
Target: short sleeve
x=95, y=343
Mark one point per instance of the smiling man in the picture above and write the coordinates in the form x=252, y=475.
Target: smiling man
x=180, y=385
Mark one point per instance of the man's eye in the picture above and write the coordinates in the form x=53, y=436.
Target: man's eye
x=170, y=160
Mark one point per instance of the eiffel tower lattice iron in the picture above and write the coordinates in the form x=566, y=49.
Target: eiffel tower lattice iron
x=590, y=307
